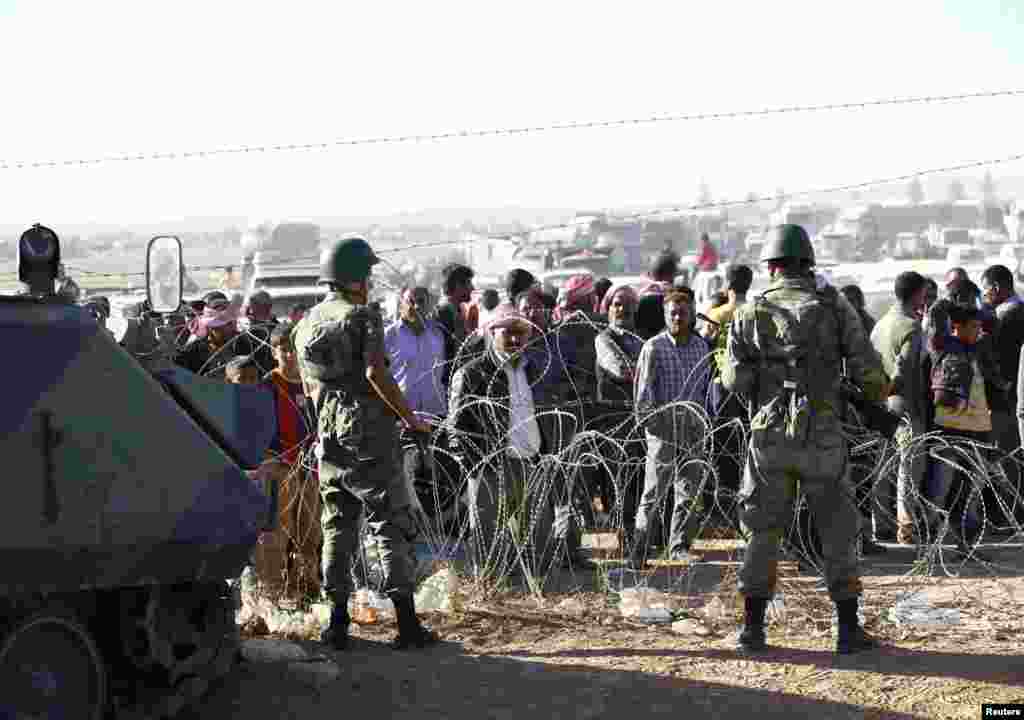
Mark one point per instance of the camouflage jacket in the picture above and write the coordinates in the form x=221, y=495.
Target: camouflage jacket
x=335, y=343
x=786, y=350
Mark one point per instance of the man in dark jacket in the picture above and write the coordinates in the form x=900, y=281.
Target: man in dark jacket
x=496, y=436
x=1008, y=337
x=963, y=394
x=458, y=289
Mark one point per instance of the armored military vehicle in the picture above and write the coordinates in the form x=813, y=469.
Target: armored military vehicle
x=127, y=508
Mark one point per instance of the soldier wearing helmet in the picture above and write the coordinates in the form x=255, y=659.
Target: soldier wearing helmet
x=339, y=345
x=785, y=353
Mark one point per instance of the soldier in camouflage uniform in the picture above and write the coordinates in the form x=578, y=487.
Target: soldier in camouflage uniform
x=340, y=348
x=785, y=353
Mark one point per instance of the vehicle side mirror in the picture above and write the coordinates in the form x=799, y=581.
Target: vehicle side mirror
x=164, y=274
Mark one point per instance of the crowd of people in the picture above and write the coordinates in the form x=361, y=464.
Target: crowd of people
x=492, y=381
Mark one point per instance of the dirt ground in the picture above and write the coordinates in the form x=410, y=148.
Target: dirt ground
x=514, y=656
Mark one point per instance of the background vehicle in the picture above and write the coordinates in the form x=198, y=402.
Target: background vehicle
x=963, y=255
x=288, y=284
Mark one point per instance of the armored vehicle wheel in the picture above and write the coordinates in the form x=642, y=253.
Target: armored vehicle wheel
x=50, y=667
x=180, y=639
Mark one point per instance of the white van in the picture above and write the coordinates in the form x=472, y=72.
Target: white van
x=289, y=284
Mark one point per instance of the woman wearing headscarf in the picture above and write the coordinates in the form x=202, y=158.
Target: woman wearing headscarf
x=618, y=349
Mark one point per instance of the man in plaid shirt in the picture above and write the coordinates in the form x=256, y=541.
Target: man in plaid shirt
x=674, y=368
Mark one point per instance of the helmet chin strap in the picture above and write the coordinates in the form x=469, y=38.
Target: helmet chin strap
x=359, y=292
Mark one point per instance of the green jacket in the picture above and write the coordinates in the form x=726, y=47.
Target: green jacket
x=898, y=339
x=785, y=352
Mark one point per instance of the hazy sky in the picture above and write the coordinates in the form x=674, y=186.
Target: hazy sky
x=97, y=78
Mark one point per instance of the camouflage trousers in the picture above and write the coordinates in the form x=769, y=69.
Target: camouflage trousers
x=355, y=486
x=773, y=477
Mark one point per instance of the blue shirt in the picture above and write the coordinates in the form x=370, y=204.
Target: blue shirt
x=417, y=362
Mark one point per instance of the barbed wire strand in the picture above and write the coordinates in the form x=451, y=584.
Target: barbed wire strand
x=508, y=131
x=641, y=215
x=523, y=536
x=646, y=214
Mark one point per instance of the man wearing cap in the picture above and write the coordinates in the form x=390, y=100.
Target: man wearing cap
x=496, y=436
x=343, y=365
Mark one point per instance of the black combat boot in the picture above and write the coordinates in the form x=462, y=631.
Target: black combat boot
x=851, y=637
x=336, y=633
x=752, y=638
x=410, y=632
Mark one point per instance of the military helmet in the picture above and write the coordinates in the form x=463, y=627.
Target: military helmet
x=347, y=261
x=787, y=241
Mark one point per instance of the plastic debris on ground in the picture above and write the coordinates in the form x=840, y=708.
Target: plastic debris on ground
x=645, y=605
x=368, y=607
x=437, y=593
x=690, y=626
x=261, y=612
x=921, y=613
